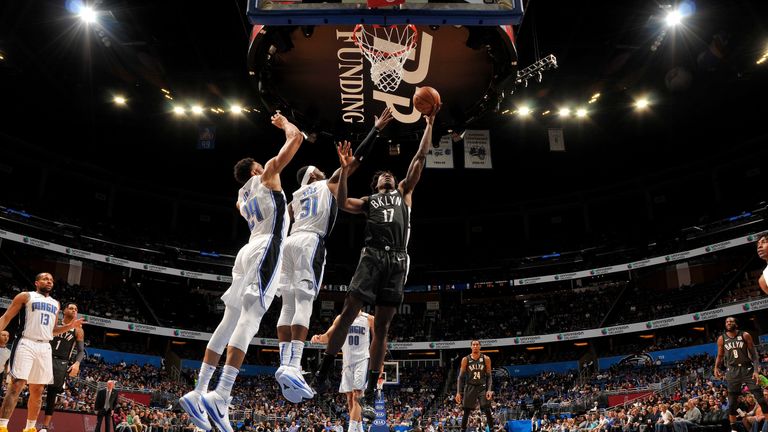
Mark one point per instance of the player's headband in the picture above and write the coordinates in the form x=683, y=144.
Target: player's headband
x=307, y=173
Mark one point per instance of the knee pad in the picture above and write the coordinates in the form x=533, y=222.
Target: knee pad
x=733, y=400
x=303, y=305
x=247, y=326
x=288, y=311
x=221, y=335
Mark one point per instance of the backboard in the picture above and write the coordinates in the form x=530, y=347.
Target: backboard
x=420, y=12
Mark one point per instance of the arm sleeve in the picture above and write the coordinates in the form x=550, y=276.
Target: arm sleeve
x=489, y=380
x=80, y=351
x=362, y=151
x=460, y=382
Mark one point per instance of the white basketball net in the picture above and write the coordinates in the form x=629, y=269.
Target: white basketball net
x=387, y=48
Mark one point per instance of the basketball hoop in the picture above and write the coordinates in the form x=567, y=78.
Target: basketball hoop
x=387, y=48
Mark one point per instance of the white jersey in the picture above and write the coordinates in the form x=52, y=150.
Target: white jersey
x=357, y=344
x=40, y=316
x=263, y=208
x=314, y=209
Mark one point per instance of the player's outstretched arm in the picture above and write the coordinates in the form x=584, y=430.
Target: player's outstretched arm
x=350, y=205
x=343, y=150
x=325, y=337
x=20, y=300
x=293, y=139
x=419, y=159
x=364, y=149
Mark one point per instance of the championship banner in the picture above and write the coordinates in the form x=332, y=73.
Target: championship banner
x=442, y=155
x=477, y=149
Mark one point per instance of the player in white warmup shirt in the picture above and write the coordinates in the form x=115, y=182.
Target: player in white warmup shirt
x=313, y=211
x=31, y=360
x=262, y=204
x=356, y=355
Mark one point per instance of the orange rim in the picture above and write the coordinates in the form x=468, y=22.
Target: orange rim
x=359, y=27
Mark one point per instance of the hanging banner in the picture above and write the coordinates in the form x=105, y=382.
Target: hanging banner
x=477, y=149
x=442, y=155
x=206, y=138
x=556, y=139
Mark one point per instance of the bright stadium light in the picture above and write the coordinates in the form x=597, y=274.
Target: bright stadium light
x=197, y=109
x=642, y=104
x=235, y=109
x=524, y=111
x=673, y=18
x=178, y=110
x=581, y=113
x=564, y=112
x=87, y=14
x=119, y=100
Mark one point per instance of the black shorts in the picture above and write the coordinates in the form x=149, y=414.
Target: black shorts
x=738, y=376
x=380, y=277
x=473, y=394
x=60, y=367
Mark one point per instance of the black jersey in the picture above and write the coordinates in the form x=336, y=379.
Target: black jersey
x=736, y=352
x=389, y=222
x=63, y=344
x=476, y=370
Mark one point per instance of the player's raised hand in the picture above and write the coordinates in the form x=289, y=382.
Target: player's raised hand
x=78, y=322
x=279, y=120
x=431, y=118
x=381, y=122
x=344, y=150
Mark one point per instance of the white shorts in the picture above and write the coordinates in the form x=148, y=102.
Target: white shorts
x=255, y=272
x=354, y=376
x=303, y=260
x=32, y=361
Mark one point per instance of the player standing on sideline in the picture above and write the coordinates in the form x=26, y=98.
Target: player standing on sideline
x=742, y=366
x=356, y=356
x=313, y=211
x=63, y=346
x=262, y=203
x=478, y=386
x=383, y=266
x=31, y=354
x=762, y=252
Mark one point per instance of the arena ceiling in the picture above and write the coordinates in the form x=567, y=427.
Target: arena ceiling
x=58, y=79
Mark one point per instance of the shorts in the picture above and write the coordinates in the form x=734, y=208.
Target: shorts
x=255, y=270
x=303, y=260
x=380, y=277
x=473, y=393
x=354, y=376
x=32, y=361
x=60, y=372
x=738, y=376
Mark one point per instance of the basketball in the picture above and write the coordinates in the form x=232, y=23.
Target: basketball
x=425, y=99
